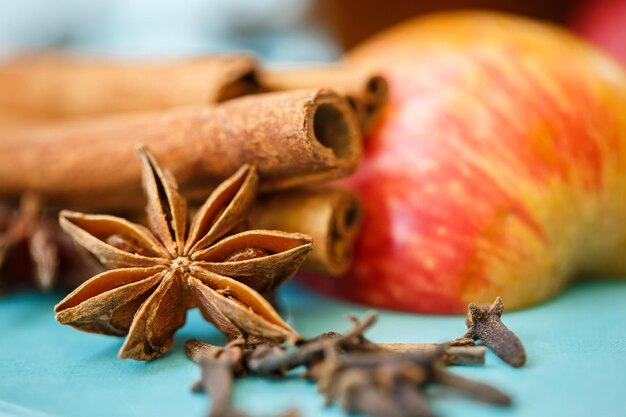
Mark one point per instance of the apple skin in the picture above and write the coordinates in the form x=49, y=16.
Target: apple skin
x=604, y=23
x=498, y=167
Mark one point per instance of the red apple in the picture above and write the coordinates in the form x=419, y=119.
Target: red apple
x=604, y=23
x=498, y=168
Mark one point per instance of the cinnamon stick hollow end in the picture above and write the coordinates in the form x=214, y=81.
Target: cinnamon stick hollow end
x=294, y=138
x=330, y=216
x=241, y=80
x=374, y=99
x=332, y=124
x=366, y=92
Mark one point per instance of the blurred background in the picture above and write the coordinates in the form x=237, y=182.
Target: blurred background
x=277, y=30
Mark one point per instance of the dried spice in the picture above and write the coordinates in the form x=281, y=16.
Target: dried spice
x=25, y=232
x=451, y=355
x=293, y=138
x=392, y=384
x=367, y=92
x=162, y=272
x=331, y=216
x=34, y=249
x=43, y=87
x=219, y=368
x=217, y=379
x=275, y=359
x=362, y=376
x=484, y=325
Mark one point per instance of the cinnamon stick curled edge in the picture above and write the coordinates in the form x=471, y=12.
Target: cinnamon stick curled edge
x=293, y=138
x=367, y=92
x=331, y=216
x=59, y=86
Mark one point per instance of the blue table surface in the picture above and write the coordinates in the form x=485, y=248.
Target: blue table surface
x=576, y=345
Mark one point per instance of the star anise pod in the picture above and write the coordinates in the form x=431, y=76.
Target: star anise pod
x=34, y=248
x=163, y=272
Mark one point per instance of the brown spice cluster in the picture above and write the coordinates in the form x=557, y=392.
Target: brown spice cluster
x=362, y=376
x=210, y=261
x=34, y=250
x=161, y=272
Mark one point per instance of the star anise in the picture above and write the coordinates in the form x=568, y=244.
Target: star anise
x=161, y=274
x=34, y=248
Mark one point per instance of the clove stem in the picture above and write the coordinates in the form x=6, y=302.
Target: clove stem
x=453, y=355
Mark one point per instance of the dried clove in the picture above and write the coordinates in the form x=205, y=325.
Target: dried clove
x=272, y=360
x=265, y=361
x=219, y=366
x=413, y=399
x=392, y=383
x=484, y=325
x=217, y=380
x=477, y=390
x=452, y=354
x=358, y=395
x=381, y=380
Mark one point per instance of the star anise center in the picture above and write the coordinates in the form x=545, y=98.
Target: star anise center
x=181, y=265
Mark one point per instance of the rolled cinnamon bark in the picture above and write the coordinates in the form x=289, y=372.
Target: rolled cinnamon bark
x=331, y=216
x=293, y=138
x=44, y=87
x=366, y=92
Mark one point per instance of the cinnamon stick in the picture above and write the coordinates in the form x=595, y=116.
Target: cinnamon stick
x=367, y=92
x=44, y=87
x=293, y=138
x=330, y=216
